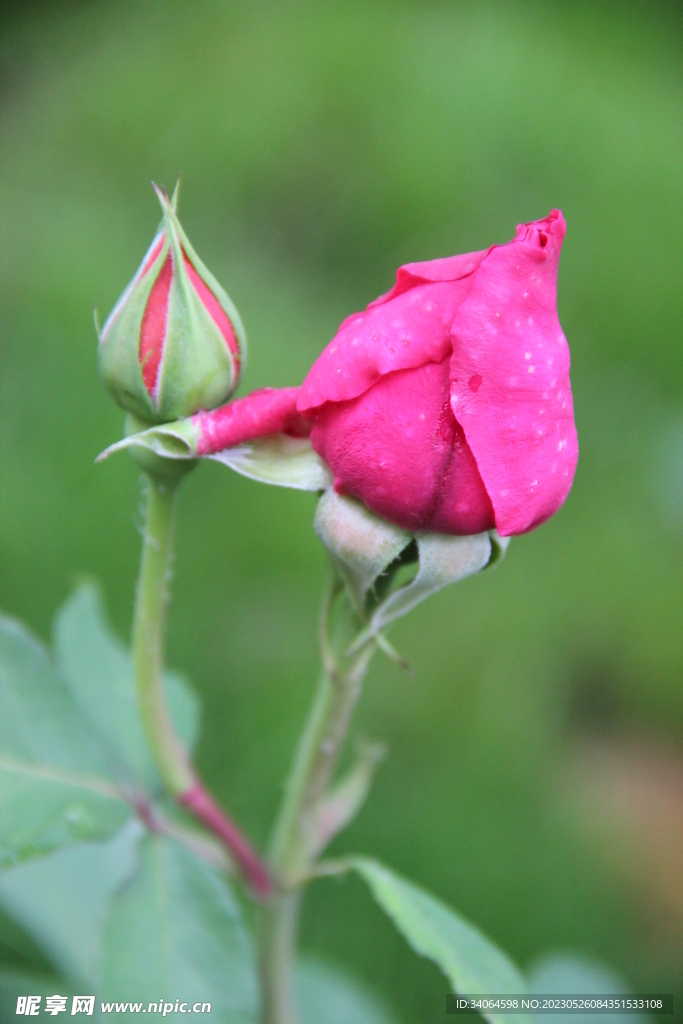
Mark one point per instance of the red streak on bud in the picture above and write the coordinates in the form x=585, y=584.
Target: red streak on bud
x=215, y=310
x=153, y=329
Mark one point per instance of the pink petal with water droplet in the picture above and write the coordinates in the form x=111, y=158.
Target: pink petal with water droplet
x=519, y=423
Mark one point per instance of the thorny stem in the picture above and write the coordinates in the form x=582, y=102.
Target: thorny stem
x=151, y=598
x=317, y=756
x=169, y=754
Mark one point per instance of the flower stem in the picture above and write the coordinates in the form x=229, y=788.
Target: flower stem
x=277, y=937
x=317, y=756
x=169, y=754
x=151, y=598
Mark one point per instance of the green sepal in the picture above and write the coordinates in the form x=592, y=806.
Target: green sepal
x=280, y=460
x=197, y=369
x=170, y=441
x=442, y=560
x=361, y=544
x=159, y=467
x=118, y=354
x=339, y=807
x=499, y=546
x=208, y=279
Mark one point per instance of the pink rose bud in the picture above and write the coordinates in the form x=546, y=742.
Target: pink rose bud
x=174, y=342
x=445, y=407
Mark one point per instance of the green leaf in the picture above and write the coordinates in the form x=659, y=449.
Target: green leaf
x=470, y=961
x=56, y=784
x=175, y=932
x=280, y=460
x=61, y=900
x=98, y=673
x=326, y=994
x=564, y=974
x=15, y=983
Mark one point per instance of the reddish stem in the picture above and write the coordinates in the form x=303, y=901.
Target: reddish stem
x=204, y=807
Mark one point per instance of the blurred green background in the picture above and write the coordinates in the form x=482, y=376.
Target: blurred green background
x=535, y=776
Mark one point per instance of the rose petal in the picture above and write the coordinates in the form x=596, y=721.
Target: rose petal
x=393, y=446
x=411, y=330
x=449, y=268
x=463, y=506
x=510, y=386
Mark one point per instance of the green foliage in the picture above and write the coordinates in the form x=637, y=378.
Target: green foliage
x=56, y=786
x=175, y=932
x=564, y=974
x=324, y=993
x=146, y=920
x=470, y=961
x=141, y=918
x=15, y=983
x=71, y=744
x=98, y=673
x=61, y=900
x=167, y=923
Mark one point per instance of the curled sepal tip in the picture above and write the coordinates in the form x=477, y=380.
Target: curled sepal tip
x=170, y=441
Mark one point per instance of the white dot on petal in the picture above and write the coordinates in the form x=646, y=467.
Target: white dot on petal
x=527, y=355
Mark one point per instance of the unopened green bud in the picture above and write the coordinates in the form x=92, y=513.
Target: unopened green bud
x=174, y=342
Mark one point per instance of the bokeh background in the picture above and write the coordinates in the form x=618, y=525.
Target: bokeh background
x=535, y=776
